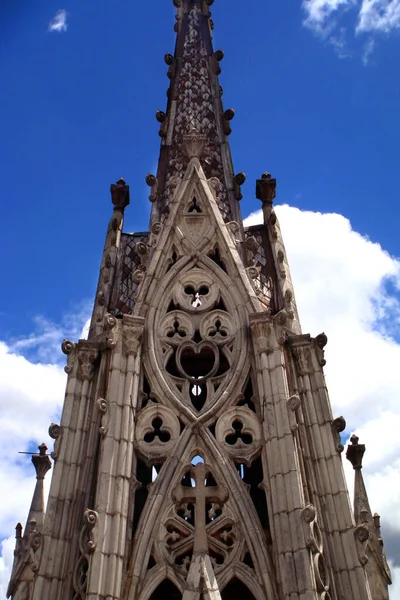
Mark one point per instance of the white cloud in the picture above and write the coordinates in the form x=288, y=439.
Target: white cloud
x=326, y=18
x=341, y=284
x=379, y=16
x=319, y=13
x=31, y=396
x=59, y=21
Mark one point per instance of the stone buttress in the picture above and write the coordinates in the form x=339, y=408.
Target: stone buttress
x=197, y=455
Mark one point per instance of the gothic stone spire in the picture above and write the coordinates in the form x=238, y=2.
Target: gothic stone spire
x=195, y=122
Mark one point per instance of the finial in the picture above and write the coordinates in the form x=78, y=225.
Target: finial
x=41, y=462
x=266, y=188
x=355, y=452
x=120, y=194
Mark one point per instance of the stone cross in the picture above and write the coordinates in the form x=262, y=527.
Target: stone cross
x=199, y=495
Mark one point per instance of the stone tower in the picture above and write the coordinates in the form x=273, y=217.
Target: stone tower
x=197, y=455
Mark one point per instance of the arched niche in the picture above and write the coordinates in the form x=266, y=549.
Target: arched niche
x=236, y=589
x=166, y=591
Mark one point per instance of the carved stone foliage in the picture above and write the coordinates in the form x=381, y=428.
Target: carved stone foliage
x=87, y=355
x=86, y=546
x=238, y=431
x=157, y=430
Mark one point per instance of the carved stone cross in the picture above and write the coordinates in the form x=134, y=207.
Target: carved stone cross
x=199, y=495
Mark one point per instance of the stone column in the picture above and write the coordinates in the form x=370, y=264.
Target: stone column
x=115, y=467
x=282, y=483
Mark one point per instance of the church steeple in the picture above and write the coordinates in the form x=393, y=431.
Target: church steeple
x=195, y=111
x=197, y=456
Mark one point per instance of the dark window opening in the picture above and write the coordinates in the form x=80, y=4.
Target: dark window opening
x=194, y=207
x=247, y=399
x=216, y=257
x=197, y=365
x=238, y=434
x=152, y=563
x=144, y=476
x=166, y=591
x=248, y=560
x=235, y=590
x=157, y=425
x=198, y=395
x=253, y=476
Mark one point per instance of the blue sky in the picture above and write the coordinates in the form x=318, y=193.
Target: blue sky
x=79, y=105
x=316, y=91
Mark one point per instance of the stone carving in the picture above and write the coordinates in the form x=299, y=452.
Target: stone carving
x=68, y=348
x=266, y=190
x=152, y=182
x=339, y=425
x=132, y=334
x=157, y=430
x=361, y=535
x=261, y=329
x=238, y=431
x=87, y=546
x=55, y=433
x=194, y=143
x=238, y=180
x=171, y=62
x=320, y=342
x=120, y=194
x=87, y=355
x=228, y=116
x=314, y=543
x=102, y=407
x=196, y=291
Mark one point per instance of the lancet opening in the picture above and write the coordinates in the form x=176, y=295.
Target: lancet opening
x=236, y=589
x=166, y=591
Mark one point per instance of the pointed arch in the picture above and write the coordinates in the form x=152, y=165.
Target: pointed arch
x=166, y=590
x=236, y=589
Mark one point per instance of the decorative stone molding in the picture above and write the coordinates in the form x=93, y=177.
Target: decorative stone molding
x=238, y=431
x=320, y=342
x=152, y=182
x=361, y=535
x=262, y=332
x=102, y=407
x=68, y=348
x=55, y=432
x=171, y=62
x=193, y=143
x=132, y=334
x=87, y=546
x=293, y=404
x=87, y=354
x=314, y=542
x=238, y=180
x=338, y=425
